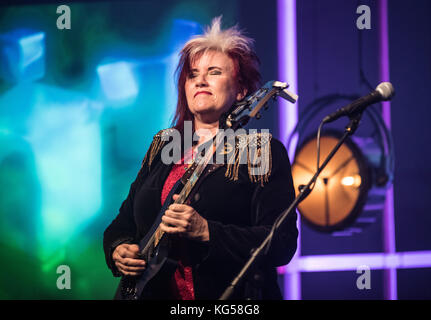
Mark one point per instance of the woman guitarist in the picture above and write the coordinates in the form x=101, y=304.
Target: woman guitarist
x=231, y=211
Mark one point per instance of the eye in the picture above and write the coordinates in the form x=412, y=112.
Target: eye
x=215, y=72
x=192, y=75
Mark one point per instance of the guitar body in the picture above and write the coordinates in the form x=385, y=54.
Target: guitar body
x=157, y=257
x=136, y=288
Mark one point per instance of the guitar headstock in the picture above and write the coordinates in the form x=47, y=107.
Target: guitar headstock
x=250, y=106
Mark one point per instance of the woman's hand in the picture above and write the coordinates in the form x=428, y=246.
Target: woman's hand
x=126, y=259
x=183, y=220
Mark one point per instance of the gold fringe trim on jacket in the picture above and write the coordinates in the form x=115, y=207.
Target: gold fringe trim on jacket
x=156, y=145
x=255, y=150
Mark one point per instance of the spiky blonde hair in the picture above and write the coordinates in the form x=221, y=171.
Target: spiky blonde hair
x=216, y=39
x=234, y=44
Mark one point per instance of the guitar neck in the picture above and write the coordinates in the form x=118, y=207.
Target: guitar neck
x=188, y=187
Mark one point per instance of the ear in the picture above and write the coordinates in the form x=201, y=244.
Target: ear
x=241, y=94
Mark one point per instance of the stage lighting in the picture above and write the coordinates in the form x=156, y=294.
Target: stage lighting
x=22, y=55
x=341, y=189
x=118, y=81
x=350, y=192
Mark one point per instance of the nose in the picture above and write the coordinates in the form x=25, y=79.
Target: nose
x=201, y=81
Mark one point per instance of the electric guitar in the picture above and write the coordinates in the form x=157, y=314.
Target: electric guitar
x=155, y=246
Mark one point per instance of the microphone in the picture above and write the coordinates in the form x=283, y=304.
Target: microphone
x=384, y=91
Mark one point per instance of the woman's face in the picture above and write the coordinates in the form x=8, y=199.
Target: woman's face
x=211, y=87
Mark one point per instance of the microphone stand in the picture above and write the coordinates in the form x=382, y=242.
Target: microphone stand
x=257, y=253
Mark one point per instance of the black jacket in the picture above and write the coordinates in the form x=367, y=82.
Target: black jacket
x=239, y=214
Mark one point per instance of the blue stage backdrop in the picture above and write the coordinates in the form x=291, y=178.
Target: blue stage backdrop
x=78, y=109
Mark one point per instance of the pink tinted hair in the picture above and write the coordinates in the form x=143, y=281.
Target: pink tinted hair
x=231, y=42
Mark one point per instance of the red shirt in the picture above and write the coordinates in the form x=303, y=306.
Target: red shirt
x=182, y=282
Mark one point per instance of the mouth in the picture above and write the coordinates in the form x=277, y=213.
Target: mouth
x=202, y=92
